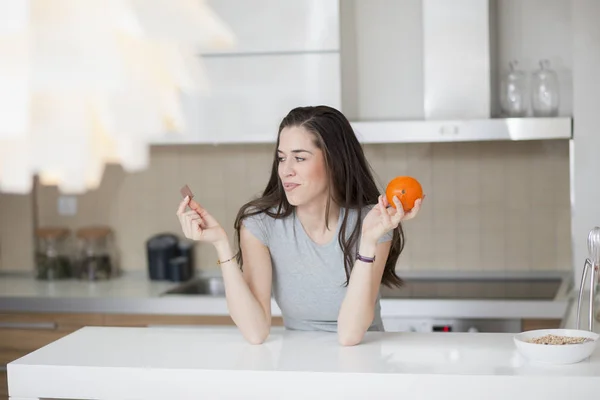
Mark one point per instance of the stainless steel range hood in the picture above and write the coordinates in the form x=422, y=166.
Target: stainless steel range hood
x=458, y=84
x=468, y=130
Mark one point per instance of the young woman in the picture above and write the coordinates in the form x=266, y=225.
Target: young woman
x=321, y=238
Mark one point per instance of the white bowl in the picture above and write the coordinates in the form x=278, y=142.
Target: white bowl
x=559, y=353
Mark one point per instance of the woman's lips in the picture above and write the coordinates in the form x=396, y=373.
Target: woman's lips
x=288, y=187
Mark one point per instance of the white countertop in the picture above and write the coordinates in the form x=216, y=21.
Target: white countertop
x=179, y=363
x=135, y=293
x=131, y=285
x=131, y=293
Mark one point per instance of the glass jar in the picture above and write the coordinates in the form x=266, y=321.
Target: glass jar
x=544, y=91
x=513, y=92
x=53, y=253
x=96, y=254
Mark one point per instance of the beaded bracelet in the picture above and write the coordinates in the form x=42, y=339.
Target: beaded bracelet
x=219, y=262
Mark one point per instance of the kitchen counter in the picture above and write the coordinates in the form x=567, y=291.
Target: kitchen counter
x=134, y=293
x=180, y=363
x=131, y=293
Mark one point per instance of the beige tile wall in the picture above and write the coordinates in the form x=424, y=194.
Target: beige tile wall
x=489, y=206
x=16, y=232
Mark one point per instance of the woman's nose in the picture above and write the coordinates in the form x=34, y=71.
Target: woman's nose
x=288, y=169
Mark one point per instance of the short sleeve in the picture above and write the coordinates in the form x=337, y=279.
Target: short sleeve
x=389, y=235
x=257, y=225
x=386, y=237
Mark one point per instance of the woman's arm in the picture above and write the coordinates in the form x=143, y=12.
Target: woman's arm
x=358, y=308
x=248, y=293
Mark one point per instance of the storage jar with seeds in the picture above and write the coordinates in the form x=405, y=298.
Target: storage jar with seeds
x=53, y=253
x=96, y=255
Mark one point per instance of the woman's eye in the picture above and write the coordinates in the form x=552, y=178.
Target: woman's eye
x=299, y=159
x=280, y=159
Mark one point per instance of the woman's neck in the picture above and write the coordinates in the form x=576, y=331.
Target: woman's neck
x=312, y=216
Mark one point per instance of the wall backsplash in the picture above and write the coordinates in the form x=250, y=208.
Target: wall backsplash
x=16, y=232
x=489, y=205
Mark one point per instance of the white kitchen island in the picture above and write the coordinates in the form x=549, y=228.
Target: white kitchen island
x=215, y=363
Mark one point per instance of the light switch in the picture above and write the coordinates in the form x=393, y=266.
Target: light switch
x=67, y=205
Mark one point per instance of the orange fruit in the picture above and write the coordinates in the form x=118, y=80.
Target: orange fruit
x=407, y=189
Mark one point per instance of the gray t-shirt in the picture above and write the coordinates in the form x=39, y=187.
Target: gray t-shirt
x=308, y=278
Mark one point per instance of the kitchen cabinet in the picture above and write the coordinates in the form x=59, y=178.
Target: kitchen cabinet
x=287, y=55
x=3, y=385
x=22, y=333
x=265, y=26
x=532, y=30
x=249, y=95
x=146, y=320
x=531, y=324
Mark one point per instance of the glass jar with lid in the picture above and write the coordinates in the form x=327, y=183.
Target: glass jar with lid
x=96, y=254
x=513, y=92
x=53, y=253
x=545, y=91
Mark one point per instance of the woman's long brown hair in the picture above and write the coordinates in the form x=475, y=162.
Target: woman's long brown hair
x=351, y=184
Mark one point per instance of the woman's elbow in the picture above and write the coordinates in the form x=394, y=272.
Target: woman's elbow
x=350, y=338
x=257, y=337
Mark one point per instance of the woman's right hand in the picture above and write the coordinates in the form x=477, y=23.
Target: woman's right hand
x=198, y=224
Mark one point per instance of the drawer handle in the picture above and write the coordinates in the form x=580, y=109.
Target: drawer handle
x=28, y=325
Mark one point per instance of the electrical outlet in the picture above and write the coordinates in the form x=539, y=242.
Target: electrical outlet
x=67, y=205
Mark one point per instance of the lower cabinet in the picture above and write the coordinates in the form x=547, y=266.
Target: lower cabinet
x=21, y=333
x=531, y=324
x=141, y=320
x=3, y=386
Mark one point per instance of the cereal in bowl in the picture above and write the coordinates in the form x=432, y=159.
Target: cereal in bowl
x=558, y=340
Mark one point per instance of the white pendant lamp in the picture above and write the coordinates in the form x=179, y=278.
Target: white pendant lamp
x=84, y=83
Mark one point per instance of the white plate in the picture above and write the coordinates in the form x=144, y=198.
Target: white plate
x=556, y=354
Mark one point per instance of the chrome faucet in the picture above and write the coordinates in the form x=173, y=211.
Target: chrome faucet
x=593, y=263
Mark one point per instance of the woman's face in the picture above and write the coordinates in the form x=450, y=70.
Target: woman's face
x=301, y=166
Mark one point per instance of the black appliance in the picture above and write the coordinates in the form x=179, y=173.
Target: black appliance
x=169, y=258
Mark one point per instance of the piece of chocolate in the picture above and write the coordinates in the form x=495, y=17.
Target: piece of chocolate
x=185, y=191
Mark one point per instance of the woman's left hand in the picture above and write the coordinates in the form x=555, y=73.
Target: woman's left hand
x=383, y=218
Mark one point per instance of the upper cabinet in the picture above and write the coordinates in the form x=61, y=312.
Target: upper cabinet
x=287, y=56
x=251, y=95
x=265, y=26
x=400, y=70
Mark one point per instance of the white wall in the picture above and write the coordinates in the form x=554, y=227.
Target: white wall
x=585, y=147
